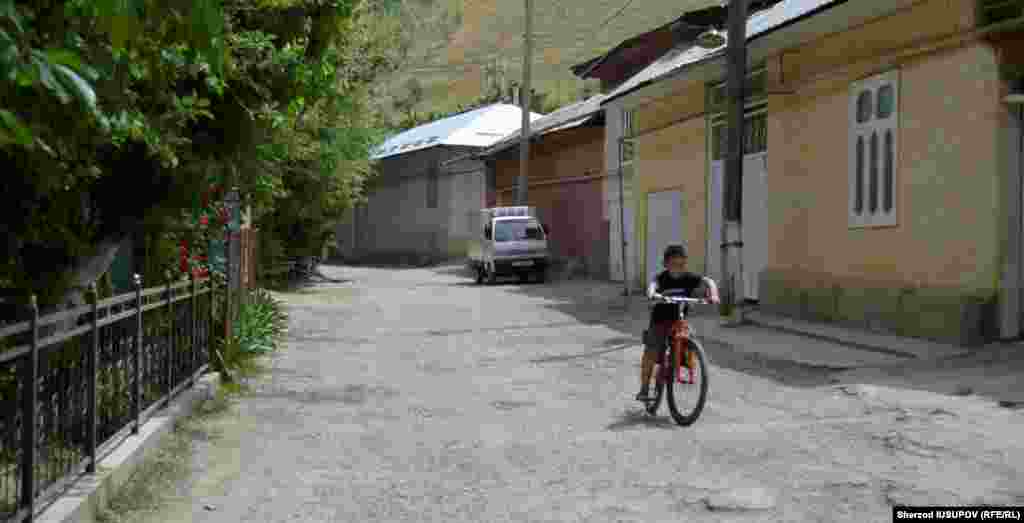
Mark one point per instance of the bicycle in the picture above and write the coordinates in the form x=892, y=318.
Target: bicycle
x=687, y=353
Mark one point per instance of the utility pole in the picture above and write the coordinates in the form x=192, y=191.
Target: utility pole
x=524, y=100
x=732, y=220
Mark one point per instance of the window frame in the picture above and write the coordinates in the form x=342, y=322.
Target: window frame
x=883, y=169
x=627, y=131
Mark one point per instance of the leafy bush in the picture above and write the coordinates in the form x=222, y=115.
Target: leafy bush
x=260, y=325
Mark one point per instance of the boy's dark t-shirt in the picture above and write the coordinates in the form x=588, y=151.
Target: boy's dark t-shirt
x=687, y=282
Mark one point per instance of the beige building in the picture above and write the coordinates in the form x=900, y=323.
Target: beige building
x=882, y=167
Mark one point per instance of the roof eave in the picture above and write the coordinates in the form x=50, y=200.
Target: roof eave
x=534, y=136
x=758, y=47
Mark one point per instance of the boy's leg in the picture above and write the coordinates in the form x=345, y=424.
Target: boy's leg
x=646, y=369
x=654, y=344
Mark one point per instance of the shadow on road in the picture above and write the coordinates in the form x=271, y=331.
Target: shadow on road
x=569, y=357
x=601, y=303
x=634, y=419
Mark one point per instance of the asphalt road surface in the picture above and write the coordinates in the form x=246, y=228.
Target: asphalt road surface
x=415, y=395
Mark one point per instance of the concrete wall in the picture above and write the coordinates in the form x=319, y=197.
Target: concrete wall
x=610, y=207
x=936, y=273
x=396, y=222
x=673, y=156
x=566, y=170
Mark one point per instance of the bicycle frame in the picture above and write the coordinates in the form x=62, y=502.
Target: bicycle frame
x=678, y=344
x=687, y=350
x=679, y=337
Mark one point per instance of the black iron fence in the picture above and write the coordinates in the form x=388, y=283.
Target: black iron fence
x=68, y=398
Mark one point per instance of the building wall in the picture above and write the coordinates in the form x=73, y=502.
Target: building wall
x=935, y=274
x=566, y=173
x=610, y=207
x=673, y=156
x=462, y=191
x=396, y=221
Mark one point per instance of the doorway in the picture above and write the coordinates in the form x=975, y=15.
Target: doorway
x=664, y=226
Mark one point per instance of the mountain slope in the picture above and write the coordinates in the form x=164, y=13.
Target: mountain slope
x=459, y=47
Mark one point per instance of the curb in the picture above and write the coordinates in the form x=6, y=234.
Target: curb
x=91, y=491
x=838, y=341
x=908, y=348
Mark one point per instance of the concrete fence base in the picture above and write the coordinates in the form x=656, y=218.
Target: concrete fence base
x=93, y=491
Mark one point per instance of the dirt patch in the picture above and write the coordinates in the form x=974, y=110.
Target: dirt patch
x=512, y=405
x=348, y=395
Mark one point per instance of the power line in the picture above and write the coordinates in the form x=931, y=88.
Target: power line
x=614, y=16
x=586, y=35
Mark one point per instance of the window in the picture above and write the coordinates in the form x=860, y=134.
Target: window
x=755, y=135
x=432, y=188
x=754, y=92
x=517, y=230
x=627, y=152
x=874, y=120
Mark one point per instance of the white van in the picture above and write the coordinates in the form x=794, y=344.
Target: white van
x=509, y=241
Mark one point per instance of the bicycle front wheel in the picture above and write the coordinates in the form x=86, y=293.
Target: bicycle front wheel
x=687, y=389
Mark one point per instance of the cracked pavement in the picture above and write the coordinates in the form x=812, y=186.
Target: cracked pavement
x=414, y=395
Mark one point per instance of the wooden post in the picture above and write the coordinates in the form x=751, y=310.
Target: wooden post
x=524, y=100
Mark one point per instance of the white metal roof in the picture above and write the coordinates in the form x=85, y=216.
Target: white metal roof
x=477, y=128
x=566, y=117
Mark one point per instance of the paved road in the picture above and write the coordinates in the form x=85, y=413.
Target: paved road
x=413, y=395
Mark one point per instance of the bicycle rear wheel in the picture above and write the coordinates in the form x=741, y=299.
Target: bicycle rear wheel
x=686, y=400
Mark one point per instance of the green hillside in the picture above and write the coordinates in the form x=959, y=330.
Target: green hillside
x=459, y=47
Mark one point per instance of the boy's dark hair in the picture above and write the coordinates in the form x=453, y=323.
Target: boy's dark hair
x=674, y=251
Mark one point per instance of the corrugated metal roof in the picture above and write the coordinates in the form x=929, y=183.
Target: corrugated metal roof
x=477, y=128
x=689, y=54
x=566, y=117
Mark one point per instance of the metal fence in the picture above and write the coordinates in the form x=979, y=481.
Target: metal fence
x=88, y=387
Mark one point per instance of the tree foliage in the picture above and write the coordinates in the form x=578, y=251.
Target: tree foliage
x=120, y=115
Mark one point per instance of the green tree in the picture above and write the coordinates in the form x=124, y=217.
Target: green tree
x=116, y=115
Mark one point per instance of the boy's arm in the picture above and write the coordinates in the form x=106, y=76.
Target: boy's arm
x=712, y=293
x=652, y=288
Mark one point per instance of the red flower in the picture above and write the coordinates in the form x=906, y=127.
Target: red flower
x=204, y=220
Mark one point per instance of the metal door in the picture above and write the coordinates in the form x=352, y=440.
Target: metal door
x=664, y=226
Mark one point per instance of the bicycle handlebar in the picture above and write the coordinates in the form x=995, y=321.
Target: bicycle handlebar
x=680, y=299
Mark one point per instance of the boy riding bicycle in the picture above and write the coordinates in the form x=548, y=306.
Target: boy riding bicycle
x=676, y=278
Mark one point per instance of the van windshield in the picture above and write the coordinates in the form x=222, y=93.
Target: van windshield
x=517, y=230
